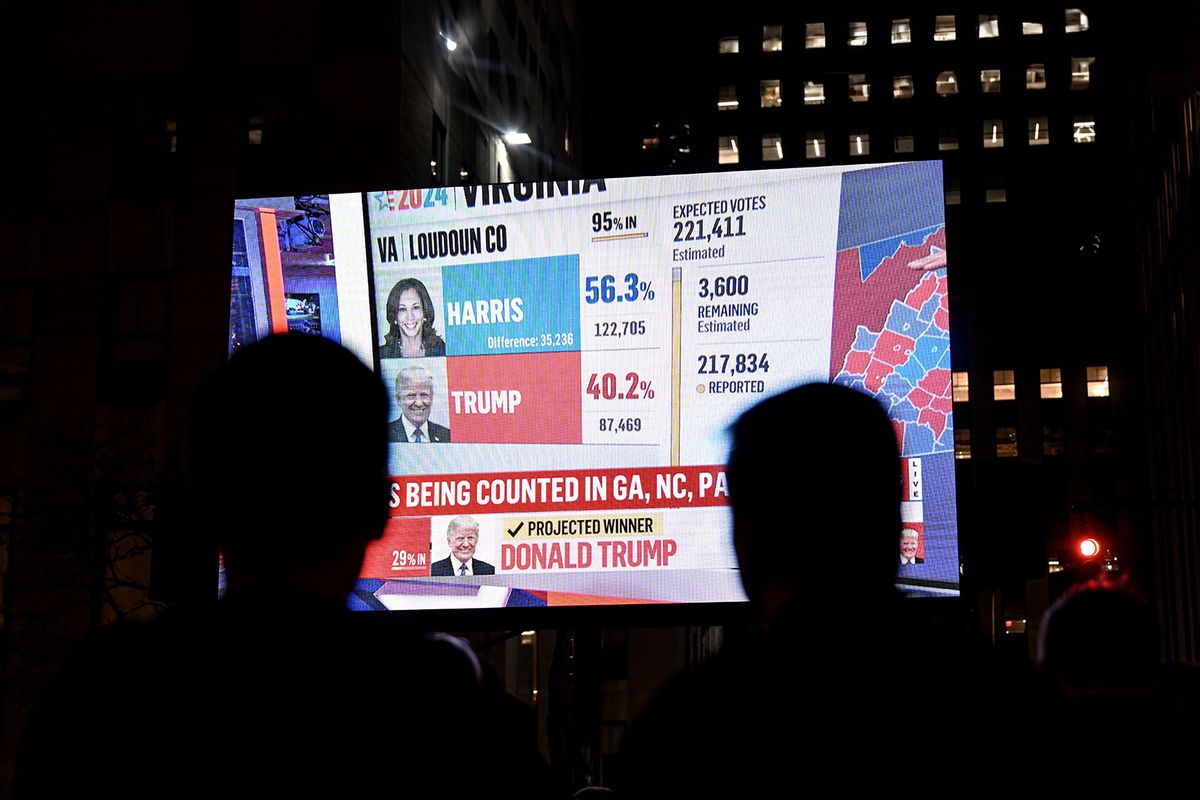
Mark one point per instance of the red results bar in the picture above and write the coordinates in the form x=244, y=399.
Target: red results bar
x=559, y=490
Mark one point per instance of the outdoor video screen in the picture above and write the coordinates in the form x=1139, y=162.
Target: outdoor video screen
x=564, y=359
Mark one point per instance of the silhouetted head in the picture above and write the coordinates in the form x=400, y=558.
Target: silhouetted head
x=410, y=311
x=1099, y=638
x=289, y=455
x=814, y=481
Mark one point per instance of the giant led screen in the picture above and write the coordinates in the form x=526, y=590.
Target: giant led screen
x=564, y=359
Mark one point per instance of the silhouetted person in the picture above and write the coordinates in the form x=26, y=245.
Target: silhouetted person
x=1106, y=692
x=277, y=688
x=835, y=683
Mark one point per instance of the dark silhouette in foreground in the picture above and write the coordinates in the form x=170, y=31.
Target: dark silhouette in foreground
x=277, y=688
x=1107, y=692
x=837, y=682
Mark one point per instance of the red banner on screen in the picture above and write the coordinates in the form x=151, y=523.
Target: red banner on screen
x=559, y=490
x=530, y=398
x=402, y=551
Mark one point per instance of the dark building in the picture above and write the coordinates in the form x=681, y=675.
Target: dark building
x=1067, y=147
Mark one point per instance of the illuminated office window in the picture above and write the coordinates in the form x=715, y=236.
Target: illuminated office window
x=960, y=385
x=993, y=133
x=814, y=35
x=1081, y=72
x=1051, y=383
x=727, y=150
x=1085, y=129
x=902, y=87
x=989, y=81
x=994, y=191
x=860, y=143
x=1097, y=381
x=947, y=84
x=860, y=90
x=962, y=442
x=943, y=28
x=1077, y=21
x=1031, y=29
x=947, y=138
x=903, y=142
x=727, y=44
x=772, y=147
x=953, y=192
x=769, y=95
x=727, y=98
x=1006, y=443
x=772, y=38
x=814, y=144
x=989, y=26
x=1035, y=76
x=1004, y=385
x=1052, y=440
x=901, y=31
x=858, y=34
x=255, y=135
x=1039, y=130
x=814, y=94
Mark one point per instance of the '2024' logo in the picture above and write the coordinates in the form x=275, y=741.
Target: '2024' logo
x=407, y=199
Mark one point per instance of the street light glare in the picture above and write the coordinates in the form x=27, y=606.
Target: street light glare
x=517, y=137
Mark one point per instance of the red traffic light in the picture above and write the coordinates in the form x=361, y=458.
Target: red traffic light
x=1089, y=548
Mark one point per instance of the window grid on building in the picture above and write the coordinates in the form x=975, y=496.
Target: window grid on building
x=1004, y=384
x=770, y=94
x=962, y=443
x=814, y=35
x=960, y=384
x=814, y=144
x=858, y=34
x=1006, y=442
x=1039, y=130
x=1081, y=73
x=1035, y=77
x=727, y=97
x=860, y=90
x=772, y=147
x=943, y=28
x=772, y=38
x=1076, y=20
x=727, y=149
x=860, y=143
x=1051, y=380
x=993, y=133
x=1085, y=129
